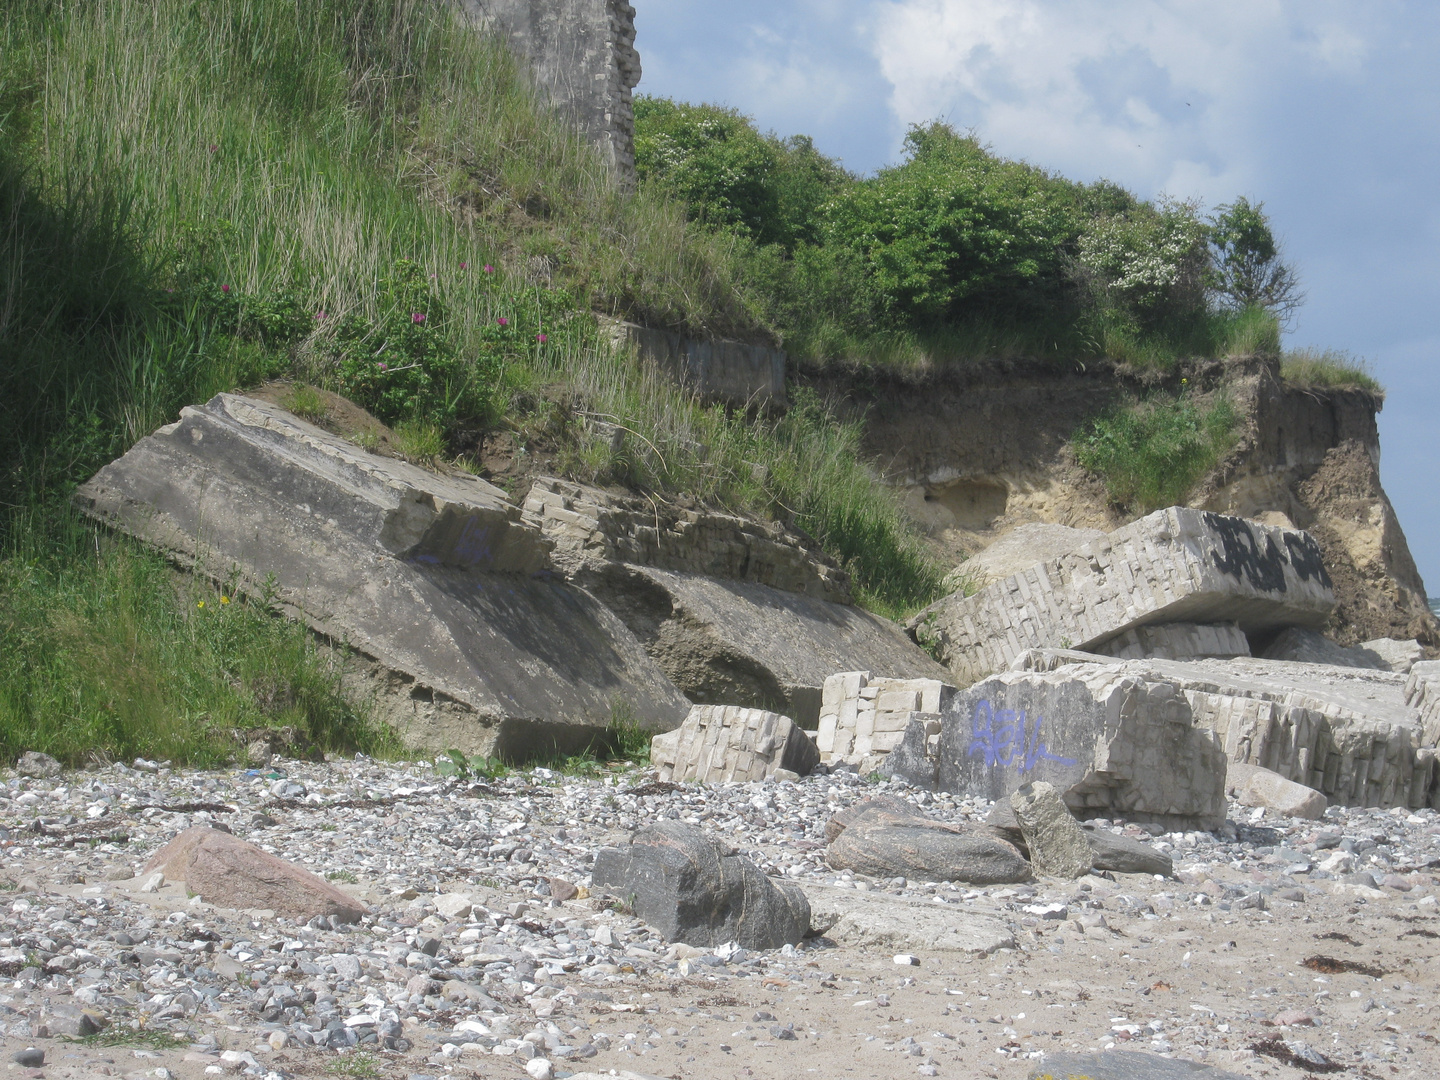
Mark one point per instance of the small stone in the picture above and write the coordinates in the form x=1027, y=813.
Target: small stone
x=562, y=890
x=30, y=1057
x=41, y=766
x=278, y=1040
x=1293, y=1018
x=907, y=960
x=540, y=1068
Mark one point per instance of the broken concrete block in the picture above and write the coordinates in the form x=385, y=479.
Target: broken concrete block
x=1254, y=786
x=1175, y=565
x=864, y=718
x=1360, y=736
x=726, y=743
x=1057, y=845
x=1115, y=745
x=1178, y=641
x=1302, y=646
x=432, y=578
x=1399, y=656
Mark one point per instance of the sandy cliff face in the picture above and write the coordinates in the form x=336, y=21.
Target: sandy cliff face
x=978, y=453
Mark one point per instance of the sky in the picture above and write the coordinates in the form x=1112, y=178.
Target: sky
x=1327, y=111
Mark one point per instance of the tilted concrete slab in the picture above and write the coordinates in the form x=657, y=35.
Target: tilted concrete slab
x=433, y=577
x=743, y=643
x=1113, y=743
x=1176, y=565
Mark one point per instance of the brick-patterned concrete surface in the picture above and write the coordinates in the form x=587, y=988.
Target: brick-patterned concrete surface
x=726, y=744
x=1175, y=565
x=863, y=718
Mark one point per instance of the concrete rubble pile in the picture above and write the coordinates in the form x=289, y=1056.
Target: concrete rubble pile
x=1129, y=659
x=484, y=626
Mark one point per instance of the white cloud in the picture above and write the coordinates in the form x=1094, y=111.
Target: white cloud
x=1160, y=92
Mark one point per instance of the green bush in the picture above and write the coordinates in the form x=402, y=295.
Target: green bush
x=1151, y=453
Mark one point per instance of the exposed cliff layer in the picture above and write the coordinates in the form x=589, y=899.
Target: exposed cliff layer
x=981, y=451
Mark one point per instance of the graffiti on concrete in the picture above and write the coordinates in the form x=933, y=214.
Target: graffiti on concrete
x=1008, y=737
x=1264, y=567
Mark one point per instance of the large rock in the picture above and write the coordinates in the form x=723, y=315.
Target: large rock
x=890, y=924
x=842, y=819
x=1114, y=744
x=728, y=744
x=1176, y=565
x=1125, y=1065
x=41, y=766
x=433, y=577
x=695, y=889
x=1054, y=839
x=1110, y=851
x=885, y=845
x=1254, y=786
x=224, y=870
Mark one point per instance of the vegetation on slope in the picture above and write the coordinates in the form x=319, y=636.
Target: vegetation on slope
x=956, y=253
x=364, y=195
x=1152, y=452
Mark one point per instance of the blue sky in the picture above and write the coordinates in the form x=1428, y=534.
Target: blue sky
x=1327, y=111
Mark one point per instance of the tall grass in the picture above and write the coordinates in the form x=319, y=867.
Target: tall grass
x=806, y=467
x=105, y=651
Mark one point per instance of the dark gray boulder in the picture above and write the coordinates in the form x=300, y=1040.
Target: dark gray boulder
x=1124, y=1065
x=884, y=844
x=695, y=889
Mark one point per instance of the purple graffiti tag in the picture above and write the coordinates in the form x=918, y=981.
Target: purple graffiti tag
x=1002, y=735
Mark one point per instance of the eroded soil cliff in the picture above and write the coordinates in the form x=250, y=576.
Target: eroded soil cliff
x=980, y=451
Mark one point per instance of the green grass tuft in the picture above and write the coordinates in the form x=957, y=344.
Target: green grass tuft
x=1151, y=453
x=1329, y=369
